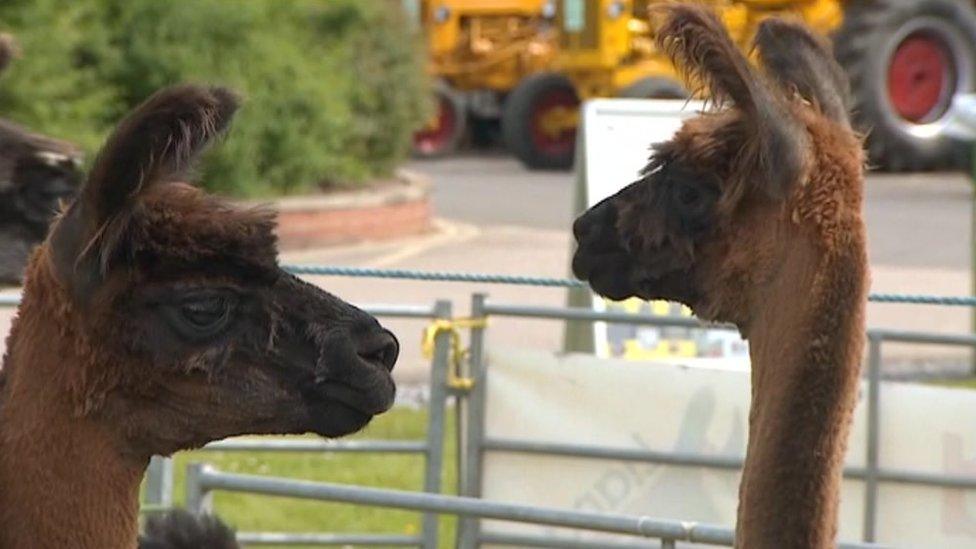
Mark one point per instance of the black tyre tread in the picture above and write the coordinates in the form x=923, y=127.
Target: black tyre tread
x=515, y=116
x=863, y=22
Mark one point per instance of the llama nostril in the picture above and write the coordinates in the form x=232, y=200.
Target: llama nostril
x=380, y=347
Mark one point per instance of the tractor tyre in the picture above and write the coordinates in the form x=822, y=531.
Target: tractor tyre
x=527, y=112
x=906, y=60
x=443, y=134
x=653, y=87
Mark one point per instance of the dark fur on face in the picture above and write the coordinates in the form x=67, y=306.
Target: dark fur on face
x=700, y=225
x=183, y=326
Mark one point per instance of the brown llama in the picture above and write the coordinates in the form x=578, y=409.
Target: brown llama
x=155, y=318
x=36, y=174
x=752, y=215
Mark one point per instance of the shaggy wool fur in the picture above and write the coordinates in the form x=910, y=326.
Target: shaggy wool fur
x=751, y=214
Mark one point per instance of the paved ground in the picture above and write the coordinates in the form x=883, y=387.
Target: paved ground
x=917, y=220
x=496, y=217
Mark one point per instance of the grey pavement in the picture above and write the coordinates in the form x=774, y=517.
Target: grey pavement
x=918, y=220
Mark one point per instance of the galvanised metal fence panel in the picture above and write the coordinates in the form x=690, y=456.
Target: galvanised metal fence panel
x=206, y=479
x=476, y=443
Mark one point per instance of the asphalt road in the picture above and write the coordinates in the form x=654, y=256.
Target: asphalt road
x=915, y=220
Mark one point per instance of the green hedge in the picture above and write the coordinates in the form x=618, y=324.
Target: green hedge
x=333, y=88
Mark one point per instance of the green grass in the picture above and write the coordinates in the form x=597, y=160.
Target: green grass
x=405, y=472
x=967, y=383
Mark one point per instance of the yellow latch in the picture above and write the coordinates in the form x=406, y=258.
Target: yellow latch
x=457, y=353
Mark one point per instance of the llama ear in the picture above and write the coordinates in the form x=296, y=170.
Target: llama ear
x=804, y=63
x=774, y=151
x=155, y=144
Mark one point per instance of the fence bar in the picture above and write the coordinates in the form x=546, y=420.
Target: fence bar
x=10, y=300
x=572, y=313
x=473, y=431
x=209, y=479
x=681, y=459
x=901, y=336
x=314, y=445
x=198, y=497
x=873, y=437
x=275, y=538
x=529, y=540
x=434, y=462
x=401, y=311
x=605, y=452
x=927, y=479
x=159, y=482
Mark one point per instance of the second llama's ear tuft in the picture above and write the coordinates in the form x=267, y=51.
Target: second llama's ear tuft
x=804, y=63
x=773, y=152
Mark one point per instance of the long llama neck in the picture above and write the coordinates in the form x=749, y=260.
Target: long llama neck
x=63, y=480
x=806, y=346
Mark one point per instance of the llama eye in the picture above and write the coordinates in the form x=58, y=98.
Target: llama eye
x=205, y=314
x=688, y=195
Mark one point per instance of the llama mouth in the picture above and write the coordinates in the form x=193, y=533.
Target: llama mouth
x=371, y=401
x=675, y=286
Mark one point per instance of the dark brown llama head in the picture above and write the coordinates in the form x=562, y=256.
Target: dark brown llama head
x=721, y=205
x=185, y=328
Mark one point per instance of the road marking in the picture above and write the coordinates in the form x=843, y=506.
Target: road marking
x=448, y=232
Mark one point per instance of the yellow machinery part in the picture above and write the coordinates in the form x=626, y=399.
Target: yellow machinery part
x=604, y=46
x=605, y=55
x=486, y=44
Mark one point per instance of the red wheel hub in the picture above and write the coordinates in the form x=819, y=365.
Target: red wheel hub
x=921, y=77
x=547, y=141
x=438, y=135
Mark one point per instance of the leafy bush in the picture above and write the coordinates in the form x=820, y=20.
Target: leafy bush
x=333, y=88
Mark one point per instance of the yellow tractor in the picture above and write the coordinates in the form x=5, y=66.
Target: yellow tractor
x=478, y=50
x=906, y=59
